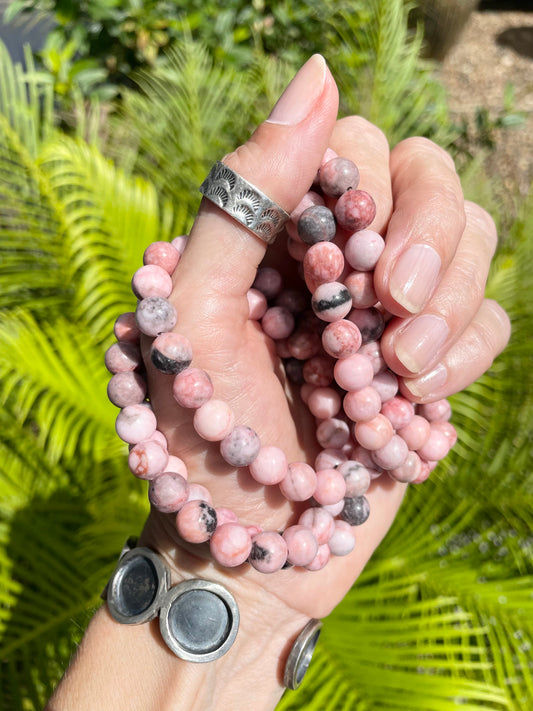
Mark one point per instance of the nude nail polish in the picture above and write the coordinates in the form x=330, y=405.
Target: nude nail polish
x=301, y=94
x=414, y=277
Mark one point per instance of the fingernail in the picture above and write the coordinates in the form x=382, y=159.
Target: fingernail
x=301, y=94
x=427, y=384
x=414, y=277
x=420, y=341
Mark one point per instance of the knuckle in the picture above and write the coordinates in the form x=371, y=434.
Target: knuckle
x=416, y=146
x=353, y=127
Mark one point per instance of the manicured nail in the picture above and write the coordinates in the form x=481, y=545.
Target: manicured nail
x=414, y=277
x=300, y=96
x=418, y=344
x=427, y=384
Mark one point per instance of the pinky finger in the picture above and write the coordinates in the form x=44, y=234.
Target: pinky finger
x=468, y=358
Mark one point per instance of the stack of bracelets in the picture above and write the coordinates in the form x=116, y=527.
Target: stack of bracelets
x=331, y=350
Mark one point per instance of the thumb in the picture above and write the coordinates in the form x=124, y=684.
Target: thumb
x=280, y=159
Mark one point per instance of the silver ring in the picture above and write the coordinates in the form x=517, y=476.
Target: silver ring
x=244, y=202
x=300, y=655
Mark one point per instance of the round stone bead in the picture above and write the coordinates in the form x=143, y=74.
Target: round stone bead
x=225, y=515
x=362, y=405
x=363, y=249
x=168, y=492
x=253, y=530
x=370, y=323
x=277, y=322
x=337, y=176
x=241, y=446
x=391, y=455
x=305, y=392
x=363, y=456
x=230, y=545
x=398, y=411
x=294, y=370
x=282, y=348
x=409, y=470
x=342, y=542
x=175, y=465
x=436, y=447
x=192, y=388
x=270, y=466
x=180, y=243
x=318, y=371
x=355, y=210
x=356, y=477
x=297, y=249
x=416, y=432
x=356, y=510
x=341, y=339
x=316, y=224
x=324, y=402
x=126, y=329
x=320, y=521
x=257, y=304
x=375, y=433
x=171, y=353
x=122, y=358
x=197, y=492
x=302, y=545
x=353, y=373
x=269, y=552
x=155, y=315
x=293, y=300
x=214, y=420
x=309, y=199
x=323, y=262
x=321, y=559
x=386, y=384
x=196, y=521
x=268, y=281
x=331, y=301
x=334, y=509
x=361, y=288
x=330, y=487
x=447, y=429
x=329, y=459
x=162, y=254
x=424, y=474
x=126, y=389
x=372, y=350
x=160, y=438
x=135, y=423
x=299, y=483
x=151, y=280
x=332, y=433
x=303, y=344
x=147, y=459
x=436, y=411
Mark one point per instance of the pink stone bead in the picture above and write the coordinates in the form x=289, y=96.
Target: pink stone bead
x=297, y=249
x=362, y=405
x=253, y=530
x=180, y=243
x=386, y=384
x=375, y=433
x=196, y=521
x=126, y=389
x=341, y=339
x=226, y=516
x=293, y=300
x=436, y=411
x=268, y=281
x=330, y=487
x=240, y=447
x=151, y=280
x=270, y=466
x=177, y=466
x=162, y=254
x=300, y=482
x=356, y=478
x=161, y=440
x=331, y=301
x=398, y=411
x=171, y=353
x=424, y=474
x=214, y=420
x=361, y=288
x=372, y=350
x=155, y=315
x=370, y=322
x=192, y=388
x=409, y=470
x=324, y=402
x=305, y=392
x=303, y=344
x=168, y=492
x=126, y=329
x=320, y=521
x=323, y=262
x=230, y=545
x=321, y=559
x=277, y=322
x=436, y=447
x=392, y=455
x=257, y=304
x=416, y=432
x=363, y=249
x=332, y=433
x=342, y=542
x=147, y=459
x=363, y=456
x=329, y=154
x=197, y=492
x=135, y=423
x=354, y=372
x=302, y=545
x=334, y=509
x=447, y=429
x=122, y=358
x=329, y=459
x=282, y=348
x=318, y=371
x=310, y=198
x=269, y=552
x=337, y=176
x=355, y=210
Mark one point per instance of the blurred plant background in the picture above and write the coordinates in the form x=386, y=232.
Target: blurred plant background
x=104, y=137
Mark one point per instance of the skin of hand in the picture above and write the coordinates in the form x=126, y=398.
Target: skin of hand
x=431, y=276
